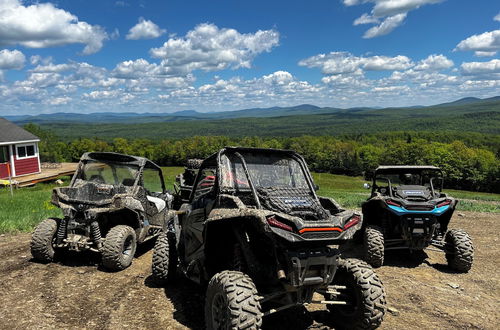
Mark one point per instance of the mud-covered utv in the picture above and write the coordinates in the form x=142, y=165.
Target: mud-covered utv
x=257, y=233
x=408, y=210
x=114, y=201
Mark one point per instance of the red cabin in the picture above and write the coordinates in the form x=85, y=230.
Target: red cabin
x=18, y=151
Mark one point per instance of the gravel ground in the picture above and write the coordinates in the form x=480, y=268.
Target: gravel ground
x=422, y=293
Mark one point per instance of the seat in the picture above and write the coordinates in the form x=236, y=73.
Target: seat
x=97, y=178
x=158, y=202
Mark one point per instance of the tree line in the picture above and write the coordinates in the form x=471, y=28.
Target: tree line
x=467, y=166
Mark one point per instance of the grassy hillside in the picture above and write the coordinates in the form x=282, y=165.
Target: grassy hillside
x=482, y=116
x=29, y=206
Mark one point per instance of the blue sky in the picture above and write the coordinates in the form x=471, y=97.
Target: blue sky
x=165, y=56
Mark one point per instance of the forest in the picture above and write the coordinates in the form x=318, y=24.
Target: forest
x=470, y=160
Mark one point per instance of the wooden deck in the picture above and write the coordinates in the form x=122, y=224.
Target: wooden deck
x=50, y=172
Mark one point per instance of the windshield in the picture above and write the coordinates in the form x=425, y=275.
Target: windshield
x=266, y=170
x=109, y=173
x=409, y=178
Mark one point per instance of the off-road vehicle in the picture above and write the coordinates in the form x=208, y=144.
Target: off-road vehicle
x=257, y=233
x=408, y=210
x=113, y=202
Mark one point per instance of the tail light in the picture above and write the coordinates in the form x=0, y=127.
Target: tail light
x=355, y=219
x=444, y=203
x=272, y=221
x=393, y=203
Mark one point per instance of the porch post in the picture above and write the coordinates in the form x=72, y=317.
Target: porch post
x=12, y=163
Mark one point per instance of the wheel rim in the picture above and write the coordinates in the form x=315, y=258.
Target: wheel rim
x=127, y=246
x=350, y=296
x=219, y=314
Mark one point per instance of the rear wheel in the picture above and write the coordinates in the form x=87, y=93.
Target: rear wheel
x=164, y=263
x=232, y=302
x=374, y=246
x=364, y=294
x=459, y=250
x=42, y=240
x=119, y=247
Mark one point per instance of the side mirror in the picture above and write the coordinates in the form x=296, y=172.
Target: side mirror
x=366, y=185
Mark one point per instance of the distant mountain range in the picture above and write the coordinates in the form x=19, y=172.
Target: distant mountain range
x=187, y=115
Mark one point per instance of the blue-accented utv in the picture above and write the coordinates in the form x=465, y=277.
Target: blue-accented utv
x=408, y=210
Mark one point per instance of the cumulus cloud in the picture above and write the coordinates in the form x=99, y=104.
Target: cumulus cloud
x=392, y=13
x=344, y=62
x=145, y=29
x=11, y=59
x=42, y=25
x=435, y=63
x=134, y=69
x=481, y=68
x=497, y=17
x=487, y=43
x=58, y=100
x=99, y=95
x=210, y=48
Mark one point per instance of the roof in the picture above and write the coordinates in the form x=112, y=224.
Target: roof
x=10, y=132
x=119, y=158
x=406, y=167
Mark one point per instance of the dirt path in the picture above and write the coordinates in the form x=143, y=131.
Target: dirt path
x=422, y=293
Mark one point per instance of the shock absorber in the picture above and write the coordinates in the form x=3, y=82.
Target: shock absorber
x=96, y=233
x=61, y=231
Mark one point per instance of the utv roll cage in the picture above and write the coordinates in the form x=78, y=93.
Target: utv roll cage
x=403, y=169
x=215, y=160
x=119, y=159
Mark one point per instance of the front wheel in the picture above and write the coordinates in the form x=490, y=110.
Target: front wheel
x=374, y=246
x=364, y=294
x=459, y=250
x=119, y=248
x=42, y=240
x=164, y=263
x=232, y=302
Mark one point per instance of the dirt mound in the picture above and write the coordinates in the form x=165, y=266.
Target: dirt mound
x=75, y=293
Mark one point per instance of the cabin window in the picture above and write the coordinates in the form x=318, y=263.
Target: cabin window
x=26, y=151
x=4, y=154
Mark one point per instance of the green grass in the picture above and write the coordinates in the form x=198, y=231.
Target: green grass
x=31, y=205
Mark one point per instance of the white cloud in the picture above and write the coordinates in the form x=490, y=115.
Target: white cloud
x=480, y=68
x=278, y=77
x=210, y=48
x=484, y=54
x=391, y=12
x=365, y=19
x=99, y=95
x=58, y=100
x=482, y=44
x=386, y=27
x=42, y=25
x=53, y=68
x=11, y=59
x=343, y=62
x=145, y=29
x=391, y=89
x=434, y=63
x=134, y=69
x=497, y=17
